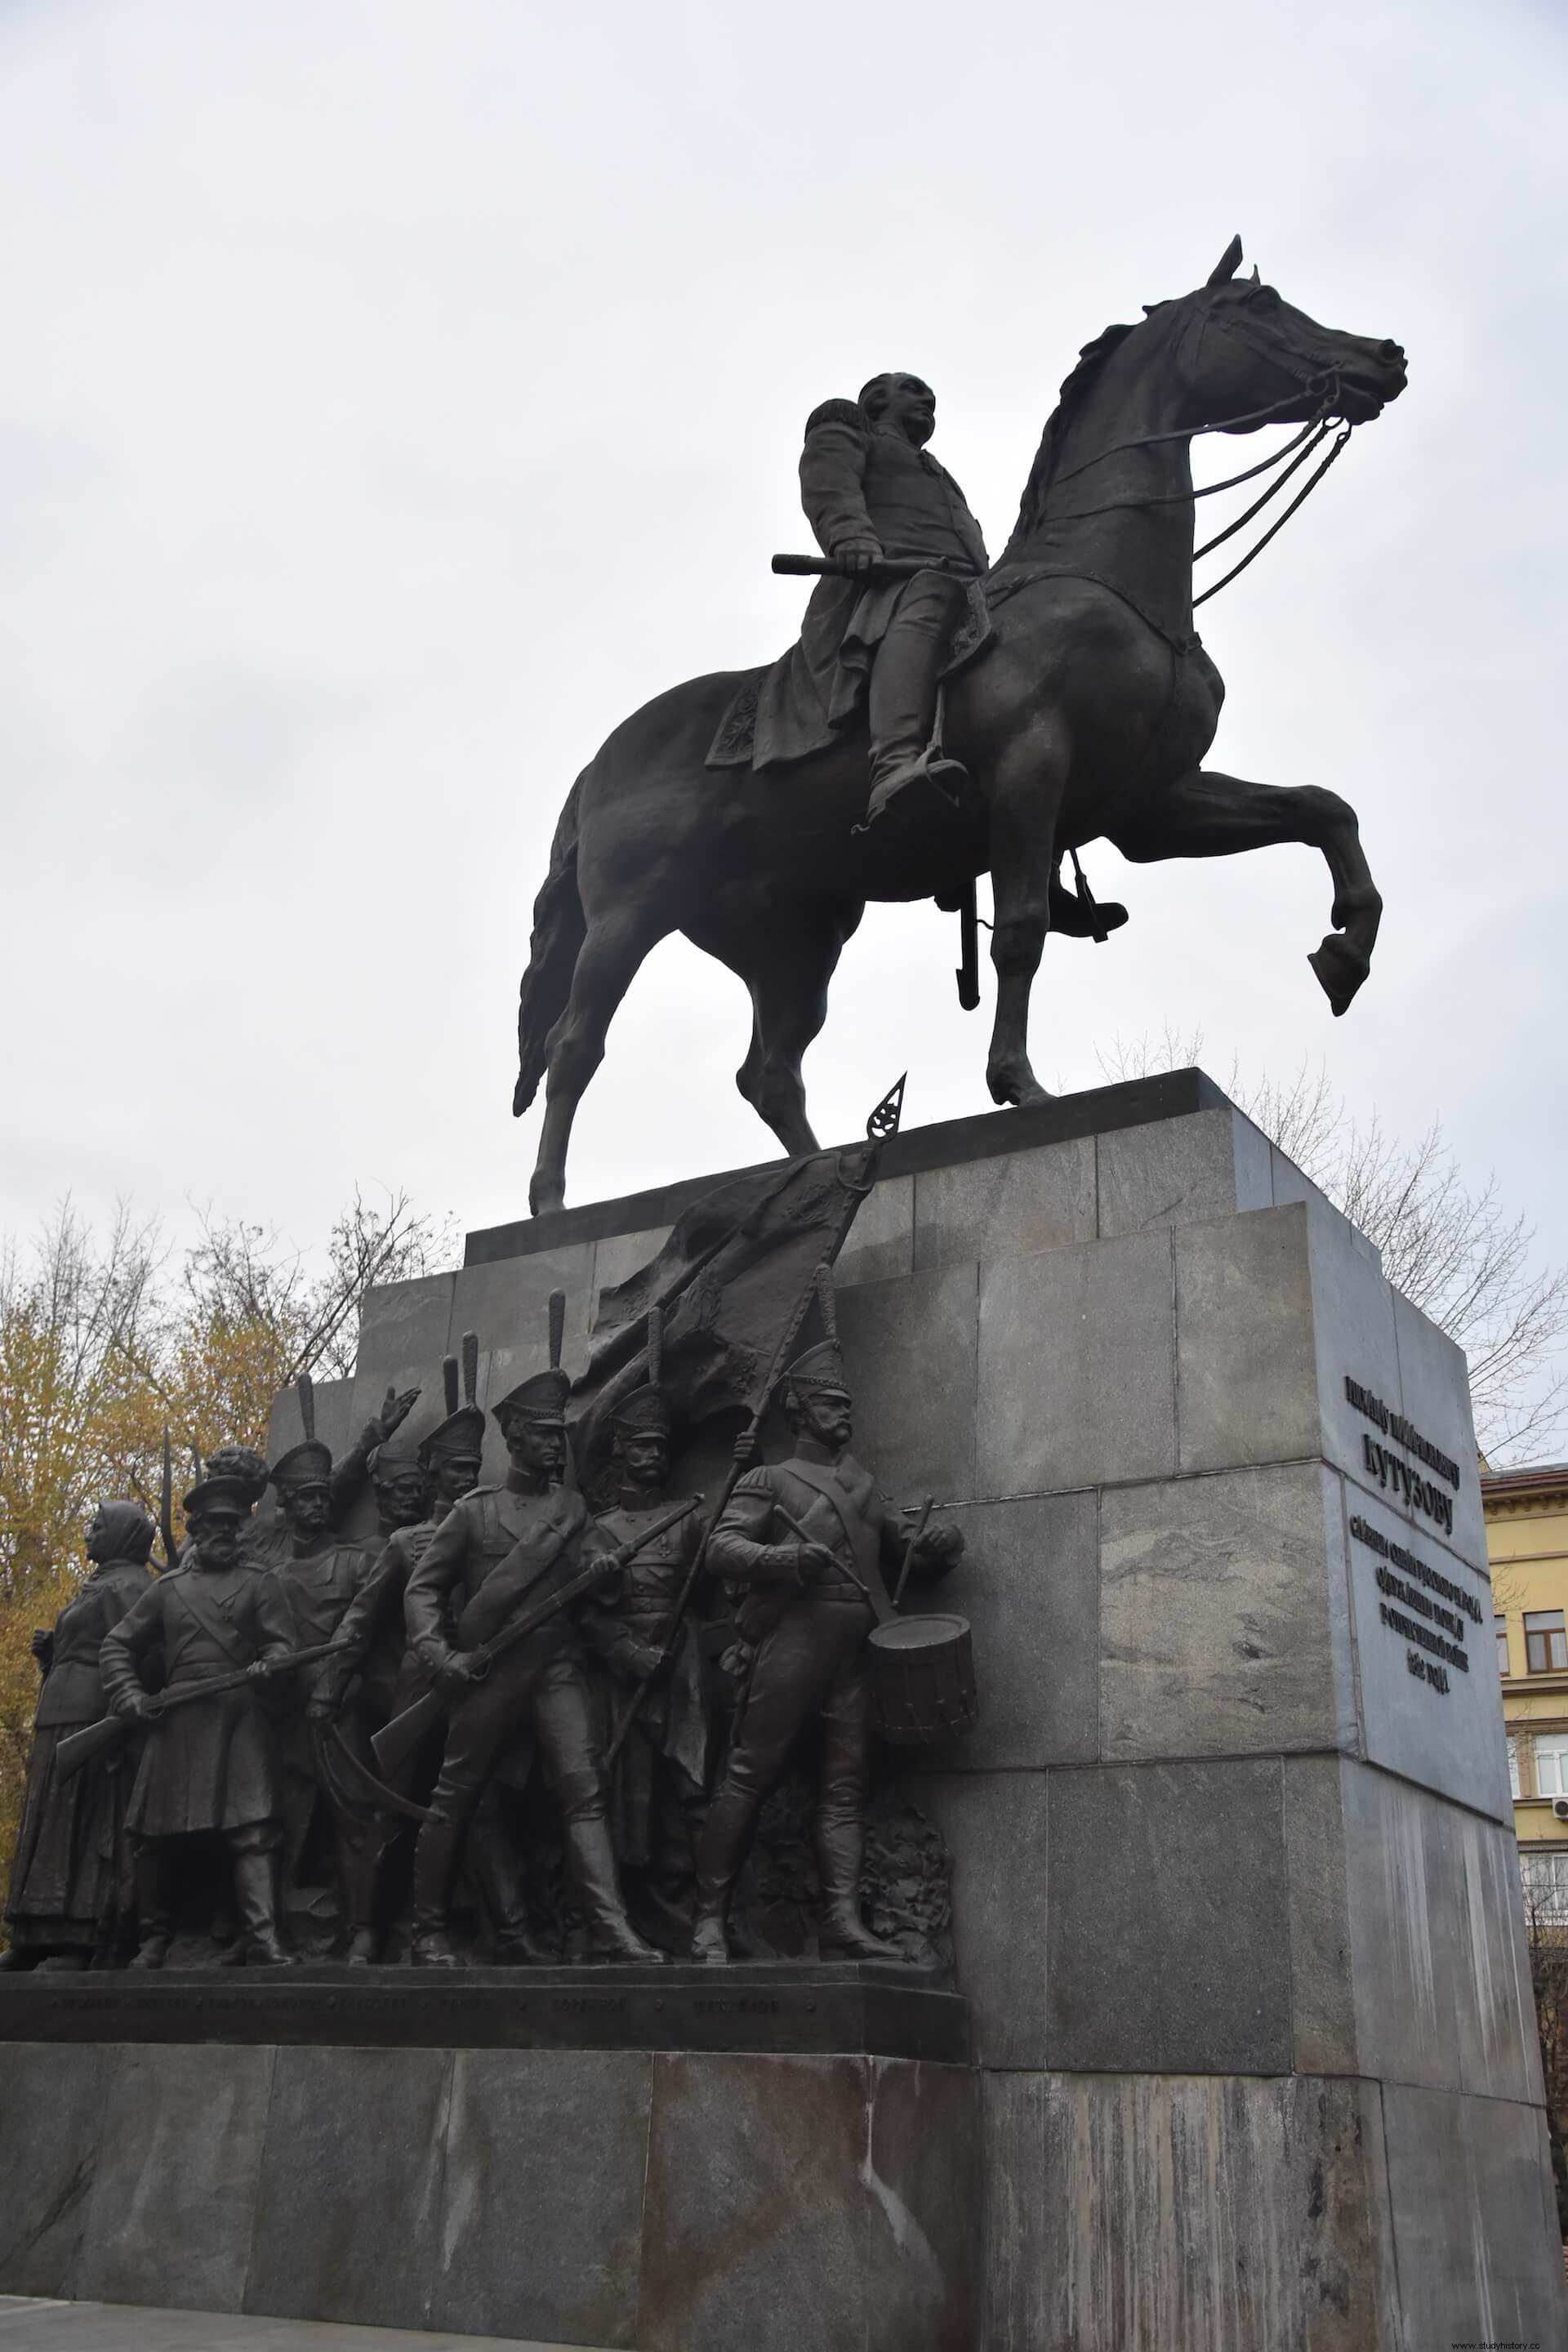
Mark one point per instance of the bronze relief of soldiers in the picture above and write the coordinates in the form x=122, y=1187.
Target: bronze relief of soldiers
x=804, y=1542
x=67, y=1892
x=498, y=1547
x=208, y=1766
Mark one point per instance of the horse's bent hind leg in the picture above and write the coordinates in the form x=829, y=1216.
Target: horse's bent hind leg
x=786, y=958
x=1026, y=798
x=612, y=948
x=1207, y=814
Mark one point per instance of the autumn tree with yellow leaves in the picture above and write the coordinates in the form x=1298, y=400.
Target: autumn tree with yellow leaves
x=108, y=1340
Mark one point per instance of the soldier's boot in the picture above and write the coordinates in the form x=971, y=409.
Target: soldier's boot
x=842, y=1935
x=253, y=1892
x=905, y=683
x=155, y=1908
x=590, y=1868
x=719, y=1855
x=358, y=1872
x=499, y=1875
x=435, y=1854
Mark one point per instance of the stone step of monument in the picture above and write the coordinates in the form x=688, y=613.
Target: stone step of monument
x=864, y=2008
x=31, y=2323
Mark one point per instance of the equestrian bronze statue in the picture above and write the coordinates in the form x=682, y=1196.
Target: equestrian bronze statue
x=1077, y=703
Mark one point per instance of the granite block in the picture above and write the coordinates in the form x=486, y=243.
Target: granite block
x=1287, y=1183
x=1404, y=1893
x=1475, y=2231
x=1322, y=1990
x=1435, y=1383
x=1077, y=1379
x=922, y=2172
x=1500, y=2049
x=1010, y=1206
x=541, y=2202
x=1246, y=1360
x=756, y=2228
x=1154, y=2214
x=179, y=2169
x=508, y=1305
x=909, y=1348
x=881, y=1241
x=1168, y=1933
x=1352, y=1331
x=348, y=2218
x=1221, y=1607
x=1026, y=1583
x=403, y=1325
x=51, y=2103
x=1177, y=1171
x=618, y=1256
x=995, y=1827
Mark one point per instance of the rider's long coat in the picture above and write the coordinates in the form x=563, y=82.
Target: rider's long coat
x=859, y=480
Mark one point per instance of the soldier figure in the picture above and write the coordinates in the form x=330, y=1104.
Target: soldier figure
x=66, y=1885
x=207, y=1766
x=805, y=1617
x=318, y=1574
x=270, y=1545
x=870, y=491
x=371, y=1641
x=662, y=1774
x=457, y=1600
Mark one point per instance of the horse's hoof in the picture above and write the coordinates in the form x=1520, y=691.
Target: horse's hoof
x=1016, y=1093
x=1340, y=971
x=544, y=1199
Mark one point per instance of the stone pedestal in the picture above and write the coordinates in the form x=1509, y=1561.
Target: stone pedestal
x=1237, y=1907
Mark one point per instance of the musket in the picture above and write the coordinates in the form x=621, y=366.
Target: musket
x=883, y=1122
x=79, y=1748
x=396, y=1740
x=166, y=1506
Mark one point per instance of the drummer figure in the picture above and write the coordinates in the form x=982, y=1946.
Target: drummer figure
x=806, y=1618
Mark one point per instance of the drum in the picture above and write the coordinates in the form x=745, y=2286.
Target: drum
x=923, y=1673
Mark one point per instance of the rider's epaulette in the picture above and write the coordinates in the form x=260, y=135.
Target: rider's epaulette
x=839, y=412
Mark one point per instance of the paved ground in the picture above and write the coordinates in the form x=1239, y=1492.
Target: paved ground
x=42, y=2326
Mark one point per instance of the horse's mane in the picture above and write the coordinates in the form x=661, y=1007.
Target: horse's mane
x=1074, y=387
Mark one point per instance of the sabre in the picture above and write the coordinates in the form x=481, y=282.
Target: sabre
x=829, y=567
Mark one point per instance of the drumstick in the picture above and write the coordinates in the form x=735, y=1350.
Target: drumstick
x=919, y=1530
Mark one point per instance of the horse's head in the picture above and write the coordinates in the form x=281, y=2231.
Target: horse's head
x=1243, y=349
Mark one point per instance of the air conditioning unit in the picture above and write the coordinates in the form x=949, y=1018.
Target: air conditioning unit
x=1559, y=1808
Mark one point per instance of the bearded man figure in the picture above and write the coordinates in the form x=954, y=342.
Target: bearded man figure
x=806, y=1616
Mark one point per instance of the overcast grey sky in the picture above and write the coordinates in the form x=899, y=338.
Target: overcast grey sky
x=397, y=396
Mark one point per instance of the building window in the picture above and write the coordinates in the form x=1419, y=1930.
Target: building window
x=1513, y=1767
x=1551, y=1767
x=1545, y=1642
x=1545, y=1878
x=1499, y=1627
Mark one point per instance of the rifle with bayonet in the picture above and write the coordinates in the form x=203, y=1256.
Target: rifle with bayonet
x=396, y=1740
x=79, y=1748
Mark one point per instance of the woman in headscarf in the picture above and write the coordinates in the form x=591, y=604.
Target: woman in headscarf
x=66, y=1893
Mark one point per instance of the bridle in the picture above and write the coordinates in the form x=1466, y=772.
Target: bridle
x=1327, y=390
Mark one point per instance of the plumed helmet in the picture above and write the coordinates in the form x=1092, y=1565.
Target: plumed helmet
x=821, y=1367
x=541, y=1397
x=461, y=1436
x=644, y=1409
x=308, y=1463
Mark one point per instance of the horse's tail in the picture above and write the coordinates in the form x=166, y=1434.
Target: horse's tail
x=558, y=932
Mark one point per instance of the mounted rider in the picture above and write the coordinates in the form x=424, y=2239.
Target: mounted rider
x=872, y=491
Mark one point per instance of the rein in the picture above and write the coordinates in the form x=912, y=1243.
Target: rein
x=1305, y=445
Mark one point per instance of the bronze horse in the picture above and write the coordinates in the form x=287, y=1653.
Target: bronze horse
x=1086, y=716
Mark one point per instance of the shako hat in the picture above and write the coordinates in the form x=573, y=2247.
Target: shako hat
x=308, y=1463
x=542, y=1396
x=822, y=1366
x=646, y=1408
x=461, y=1436
x=224, y=1489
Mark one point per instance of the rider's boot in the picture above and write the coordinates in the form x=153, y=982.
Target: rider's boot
x=906, y=676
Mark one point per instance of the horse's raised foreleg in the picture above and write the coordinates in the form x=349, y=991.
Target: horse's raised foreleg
x=1025, y=799
x=1207, y=814
x=613, y=946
